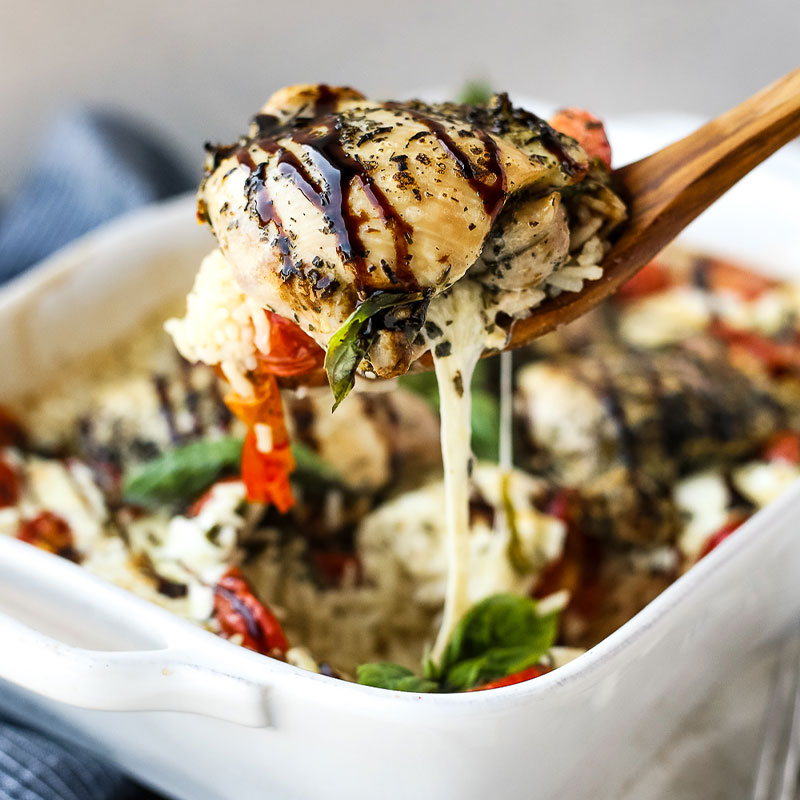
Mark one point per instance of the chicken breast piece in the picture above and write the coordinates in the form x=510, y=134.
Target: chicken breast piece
x=622, y=425
x=332, y=197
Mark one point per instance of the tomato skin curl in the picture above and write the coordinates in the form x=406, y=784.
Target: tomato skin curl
x=291, y=351
x=587, y=130
x=517, y=677
x=267, y=458
x=240, y=612
x=9, y=485
x=720, y=536
x=49, y=532
x=266, y=475
x=783, y=446
x=650, y=279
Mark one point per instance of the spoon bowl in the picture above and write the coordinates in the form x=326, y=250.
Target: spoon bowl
x=668, y=189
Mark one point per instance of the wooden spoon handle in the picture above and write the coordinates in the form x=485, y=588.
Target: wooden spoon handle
x=687, y=176
x=668, y=189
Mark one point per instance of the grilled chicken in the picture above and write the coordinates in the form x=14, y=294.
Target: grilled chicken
x=622, y=425
x=332, y=197
x=153, y=401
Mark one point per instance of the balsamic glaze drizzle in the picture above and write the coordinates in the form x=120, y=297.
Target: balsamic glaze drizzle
x=340, y=172
x=492, y=193
x=318, y=129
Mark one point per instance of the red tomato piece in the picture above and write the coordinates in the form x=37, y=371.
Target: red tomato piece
x=197, y=506
x=50, y=532
x=724, y=276
x=783, y=446
x=11, y=432
x=291, y=351
x=775, y=355
x=240, y=612
x=652, y=278
x=265, y=474
x=9, y=485
x=334, y=564
x=586, y=129
x=517, y=677
x=723, y=533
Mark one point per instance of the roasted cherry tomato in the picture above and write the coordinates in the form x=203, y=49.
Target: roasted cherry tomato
x=266, y=475
x=652, y=278
x=11, y=432
x=775, y=355
x=723, y=533
x=291, y=352
x=50, y=532
x=9, y=485
x=332, y=565
x=516, y=677
x=198, y=505
x=723, y=276
x=586, y=129
x=266, y=457
x=783, y=446
x=265, y=472
x=240, y=612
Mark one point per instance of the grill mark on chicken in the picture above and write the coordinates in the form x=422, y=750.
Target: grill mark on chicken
x=192, y=398
x=161, y=385
x=258, y=197
x=496, y=118
x=340, y=172
x=493, y=194
x=606, y=390
x=246, y=160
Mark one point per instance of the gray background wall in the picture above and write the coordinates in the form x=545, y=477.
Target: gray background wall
x=198, y=70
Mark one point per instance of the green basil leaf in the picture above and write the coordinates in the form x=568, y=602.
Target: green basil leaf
x=313, y=466
x=386, y=675
x=475, y=93
x=348, y=346
x=500, y=635
x=181, y=474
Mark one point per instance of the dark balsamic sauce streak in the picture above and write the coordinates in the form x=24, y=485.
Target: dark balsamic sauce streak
x=701, y=278
x=258, y=195
x=320, y=136
x=266, y=123
x=700, y=273
x=165, y=406
x=241, y=608
x=551, y=143
x=326, y=101
x=610, y=397
x=493, y=193
x=340, y=172
x=608, y=394
x=222, y=414
x=246, y=160
x=191, y=398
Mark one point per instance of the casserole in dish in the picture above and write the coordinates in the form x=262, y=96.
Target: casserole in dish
x=427, y=746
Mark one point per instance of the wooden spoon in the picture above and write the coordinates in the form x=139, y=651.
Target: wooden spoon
x=668, y=189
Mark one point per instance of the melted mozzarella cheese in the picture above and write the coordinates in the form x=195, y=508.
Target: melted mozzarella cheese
x=458, y=315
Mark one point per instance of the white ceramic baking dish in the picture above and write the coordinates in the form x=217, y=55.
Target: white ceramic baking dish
x=202, y=719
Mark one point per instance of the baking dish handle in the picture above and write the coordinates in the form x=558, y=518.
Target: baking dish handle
x=133, y=680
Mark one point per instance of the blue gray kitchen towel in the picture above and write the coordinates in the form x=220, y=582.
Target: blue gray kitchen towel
x=91, y=166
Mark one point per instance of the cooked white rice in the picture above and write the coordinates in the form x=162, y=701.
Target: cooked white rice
x=221, y=324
